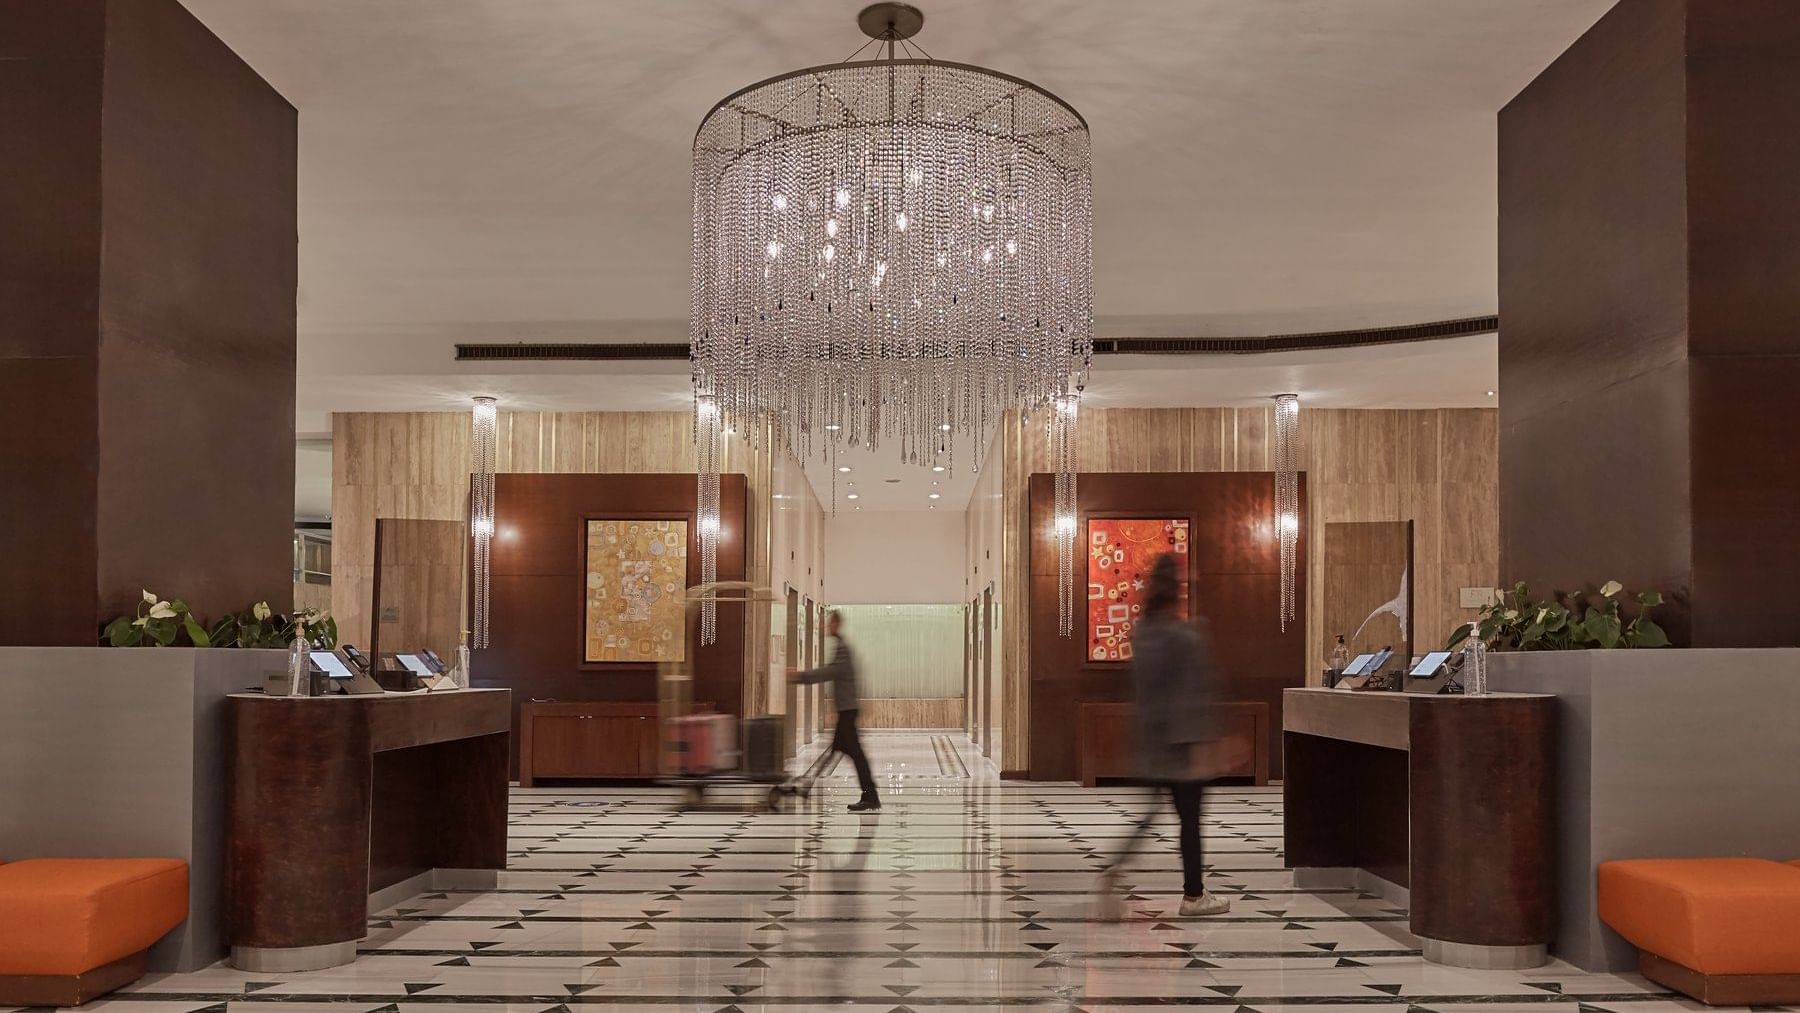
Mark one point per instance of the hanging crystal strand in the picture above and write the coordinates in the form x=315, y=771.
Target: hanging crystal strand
x=1287, y=496
x=1062, y=422
x=481, y=508
x=707, y=452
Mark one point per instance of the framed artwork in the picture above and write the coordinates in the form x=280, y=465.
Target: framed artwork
x=636, y=590
x=1120, y=553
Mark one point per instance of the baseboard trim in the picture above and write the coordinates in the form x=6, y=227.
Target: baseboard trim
x=1721, y=989
x=71, y=989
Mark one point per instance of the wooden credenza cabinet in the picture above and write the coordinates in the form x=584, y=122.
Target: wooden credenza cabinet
x=1105, y=747
x=600, y=740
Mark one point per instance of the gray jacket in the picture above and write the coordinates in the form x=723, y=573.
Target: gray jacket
x=840, y=671
x=1176, y=682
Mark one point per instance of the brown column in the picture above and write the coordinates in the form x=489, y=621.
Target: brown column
x=1650, y=316
x=147, y=340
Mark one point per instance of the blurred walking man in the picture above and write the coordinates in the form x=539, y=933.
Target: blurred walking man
x=840, y=671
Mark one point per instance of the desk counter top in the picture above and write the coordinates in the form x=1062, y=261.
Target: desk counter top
x=1375, y=718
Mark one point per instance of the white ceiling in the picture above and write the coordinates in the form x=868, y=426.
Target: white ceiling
x=498, y=170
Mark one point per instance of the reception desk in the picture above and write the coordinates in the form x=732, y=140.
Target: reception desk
x=1445, y=804
x=338, y=804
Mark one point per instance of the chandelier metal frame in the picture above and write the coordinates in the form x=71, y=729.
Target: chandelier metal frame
x=896, y=248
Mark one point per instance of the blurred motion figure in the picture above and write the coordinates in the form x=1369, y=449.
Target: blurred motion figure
x=1176, y=683
x=840, y=671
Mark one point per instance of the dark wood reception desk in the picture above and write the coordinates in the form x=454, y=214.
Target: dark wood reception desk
x=335, y=803
x=1444, y=803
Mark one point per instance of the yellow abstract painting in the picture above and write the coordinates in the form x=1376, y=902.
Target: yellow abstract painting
x=636, y=590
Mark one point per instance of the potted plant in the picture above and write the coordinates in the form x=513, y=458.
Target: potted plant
x=1565, y=621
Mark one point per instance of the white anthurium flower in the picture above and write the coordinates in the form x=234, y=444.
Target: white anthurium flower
x=149, y=598
x=1610, y=588
x=140, y=620
x=162, y=610
x=261, y=610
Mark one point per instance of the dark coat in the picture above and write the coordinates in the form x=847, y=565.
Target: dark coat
x=1176, y=682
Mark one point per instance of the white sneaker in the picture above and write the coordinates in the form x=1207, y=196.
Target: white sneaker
x=1205, y=904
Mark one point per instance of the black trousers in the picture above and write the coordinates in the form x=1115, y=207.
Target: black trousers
x=845, y=740
x=1186, y=795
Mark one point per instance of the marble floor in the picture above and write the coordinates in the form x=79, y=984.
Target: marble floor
x=964, y=893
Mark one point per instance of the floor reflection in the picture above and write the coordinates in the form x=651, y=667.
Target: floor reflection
x=964, y=893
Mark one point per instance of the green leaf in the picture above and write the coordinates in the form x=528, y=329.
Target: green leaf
x=1603, y=627
x=1532, y=634
x=1650, y=599
x=1457, y=636
x=194, y=632
x=161, y=630
x=1648, y=634
x=122, y=633
x=326, y=633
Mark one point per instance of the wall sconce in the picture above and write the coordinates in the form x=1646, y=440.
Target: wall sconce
x=481, y=508
x=1287, y=496
x=707, y=439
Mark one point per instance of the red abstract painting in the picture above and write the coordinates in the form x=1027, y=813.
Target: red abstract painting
x=1120, y=555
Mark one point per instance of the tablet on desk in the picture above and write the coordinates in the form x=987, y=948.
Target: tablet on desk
x=1357, y=666
x=1430, y=665
x=414, y=664
x=329, y=663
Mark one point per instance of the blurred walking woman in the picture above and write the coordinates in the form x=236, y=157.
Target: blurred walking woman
x=1175, y=680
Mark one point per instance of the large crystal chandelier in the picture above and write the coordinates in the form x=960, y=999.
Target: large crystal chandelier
x=892, y=249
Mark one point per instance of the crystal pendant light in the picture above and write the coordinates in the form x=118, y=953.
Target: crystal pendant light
x=1287, y=496
x=1062, y=457
x=707, y=438
x=481, y=508
x=896, y=249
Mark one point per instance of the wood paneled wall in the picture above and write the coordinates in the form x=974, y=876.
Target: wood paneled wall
x=910, y=712
x=1366, y=563
x=1435, y=467
x=418, y=586
x=415, y=465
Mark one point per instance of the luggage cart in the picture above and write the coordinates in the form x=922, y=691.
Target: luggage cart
x=675, y=701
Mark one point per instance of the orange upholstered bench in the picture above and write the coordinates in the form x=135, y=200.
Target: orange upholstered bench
x=75, y=928
x=1723, y=930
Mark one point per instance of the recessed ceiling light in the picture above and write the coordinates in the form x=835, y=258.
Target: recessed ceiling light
x=843, y=467
x=1490, y=393
x=937, y=467
x=833, y=428
x=945, y=427
x=853, y=496
x=932, y=496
